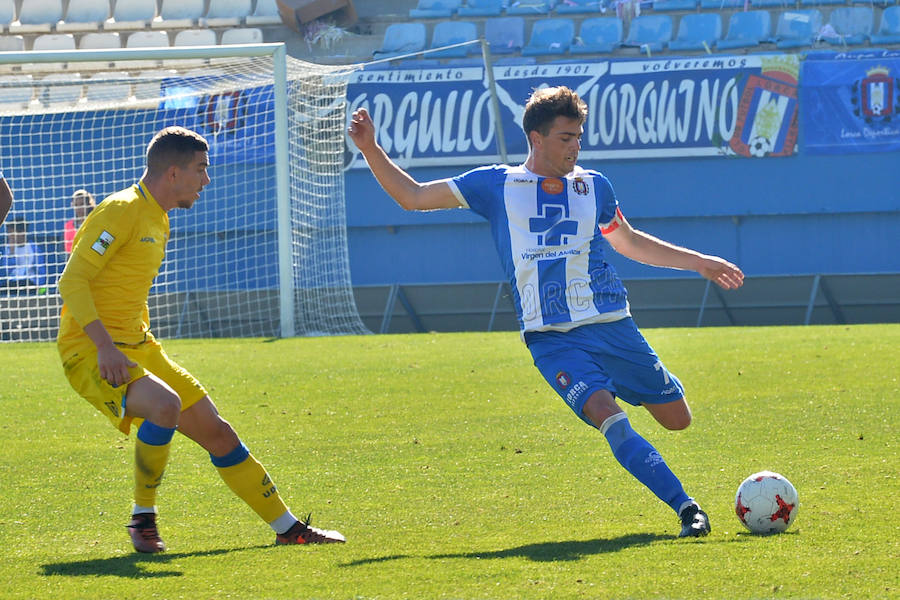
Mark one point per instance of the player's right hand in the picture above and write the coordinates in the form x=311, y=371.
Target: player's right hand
x=114, y=365
x=362, y=129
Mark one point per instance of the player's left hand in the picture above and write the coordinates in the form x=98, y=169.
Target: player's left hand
x=721, y=272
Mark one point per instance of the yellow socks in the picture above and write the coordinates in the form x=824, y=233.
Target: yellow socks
x=248, y=479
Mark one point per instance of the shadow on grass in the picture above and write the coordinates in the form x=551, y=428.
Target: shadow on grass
x=131, y=566
x=542, y=552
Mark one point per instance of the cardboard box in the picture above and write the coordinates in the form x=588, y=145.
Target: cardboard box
x=297, y=12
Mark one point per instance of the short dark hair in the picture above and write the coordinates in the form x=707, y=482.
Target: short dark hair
x=548, y=103
x=174, y=146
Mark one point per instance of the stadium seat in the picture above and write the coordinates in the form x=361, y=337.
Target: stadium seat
x=84, y=15
x=797, y=28
x=882, y=3
x=721, y=4
x=195, y=37
x=481, y=8
x=18, y=94
x=529, y=7
x=650, y=32
x=37, y=16
x=571, y=7
x=61, y=88
x=889, y=29
x=131, y=14
x=772, y=4
x=264, y=13
x=505, y=35
x=663, y=5
x=100, y=40
x=7, y=14
x=852, y=25
x=447, y=33
x=12, y=43
x=598, y=35
x=434, y=9
x=148, y=39
x=242, y=35
x=179, y=14
x=401, y=38
x=550, y=36
x=820, y=2
x=105, y=88
x=698, y=31
x=227, y=13
x=746, y=30
x=54, y=41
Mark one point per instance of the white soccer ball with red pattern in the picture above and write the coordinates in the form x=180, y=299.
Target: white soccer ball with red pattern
x=766, y=502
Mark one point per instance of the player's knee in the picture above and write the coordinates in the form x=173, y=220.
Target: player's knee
x=168, y=410
x=678, y=422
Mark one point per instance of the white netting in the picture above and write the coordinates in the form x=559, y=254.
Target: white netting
x=86, y=125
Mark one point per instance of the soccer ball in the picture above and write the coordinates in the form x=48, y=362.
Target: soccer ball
x=766, y=502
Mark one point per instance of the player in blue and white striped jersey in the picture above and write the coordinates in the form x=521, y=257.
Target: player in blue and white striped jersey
x=548, y=218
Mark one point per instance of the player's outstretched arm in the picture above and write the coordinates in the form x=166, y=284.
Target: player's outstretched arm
x=406, y=191
x=645, y=248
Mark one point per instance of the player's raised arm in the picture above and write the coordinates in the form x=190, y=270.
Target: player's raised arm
x=645, y=248
x=406, y=191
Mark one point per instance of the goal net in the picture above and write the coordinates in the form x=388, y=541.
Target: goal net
x=262, y=253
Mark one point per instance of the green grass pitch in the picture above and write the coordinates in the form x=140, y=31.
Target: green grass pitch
x=455, y=472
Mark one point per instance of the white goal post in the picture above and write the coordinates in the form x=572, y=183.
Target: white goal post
x=263, y=252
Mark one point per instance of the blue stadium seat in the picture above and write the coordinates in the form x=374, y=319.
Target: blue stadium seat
x=550, y=36
x=505, y=35
x=481, y=8
x=798, y=28
x=651, y=32
x=529, y=7
x=746, y=30
x=772, y=3
x=37, y=16
x=131, y=14
x=435, y=9
x=852, y=24
x=227, y=13
x=84, y=15
x=401, y=38
x=175, y=14
x=882, y=3
x=600, y=35
x=889, y=30
x=698, y=31
x=675, y=5
x=720, y=4
x=821, y=2
x=570, y=7
x=447, y=33
x=7, y=13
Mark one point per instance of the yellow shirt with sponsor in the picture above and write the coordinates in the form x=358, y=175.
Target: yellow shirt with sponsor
x=116, y=255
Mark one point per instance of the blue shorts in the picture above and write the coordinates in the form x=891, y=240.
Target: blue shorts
x=602, y=356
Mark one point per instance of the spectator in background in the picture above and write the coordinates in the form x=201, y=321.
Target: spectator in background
x=21, y=264
x=5, y=198
x=82, y=203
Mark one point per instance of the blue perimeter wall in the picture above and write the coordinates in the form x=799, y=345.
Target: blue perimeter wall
x=826, y=214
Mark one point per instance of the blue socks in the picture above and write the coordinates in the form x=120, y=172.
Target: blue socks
x=643, y=461
x=154, y=435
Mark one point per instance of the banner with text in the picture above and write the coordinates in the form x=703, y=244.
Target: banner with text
x=703, y=106
x=851, y=102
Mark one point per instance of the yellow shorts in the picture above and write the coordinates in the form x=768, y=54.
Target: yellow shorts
x=84, y=376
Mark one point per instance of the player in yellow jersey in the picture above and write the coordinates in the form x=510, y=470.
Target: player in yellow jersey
x=112, y=360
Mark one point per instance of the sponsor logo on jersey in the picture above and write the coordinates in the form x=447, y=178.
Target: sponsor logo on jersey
x=103, y=242
x=553, y=186
x=148, y=239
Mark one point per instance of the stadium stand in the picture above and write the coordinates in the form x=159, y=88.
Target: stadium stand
x=37, y=16
x=774, y=4
x=447, y=33
x=54, y=41
x=747, y=30
x=650, y=32
x=572, y=7
x=663, y=5
x=889, y=29
x=481, y=8
x=505, y=35
x=852, y=25
x=242, y=35
x=529, y=7
x=401, y=38
x=698, y=31
x=97, y=40
x=12, y=43
x=797, y=28
x=195, y=37
x=265, y=12
x=131, y=14
x=806, y=3
x=84, y=15
x=179, y=14
x=18, y=96
x=435, y=9
x=881, y=3
x=227, y=13
x=7, y=14
x=598, y=35
x=721, y=4
x=148, y=39
x=550, y=36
